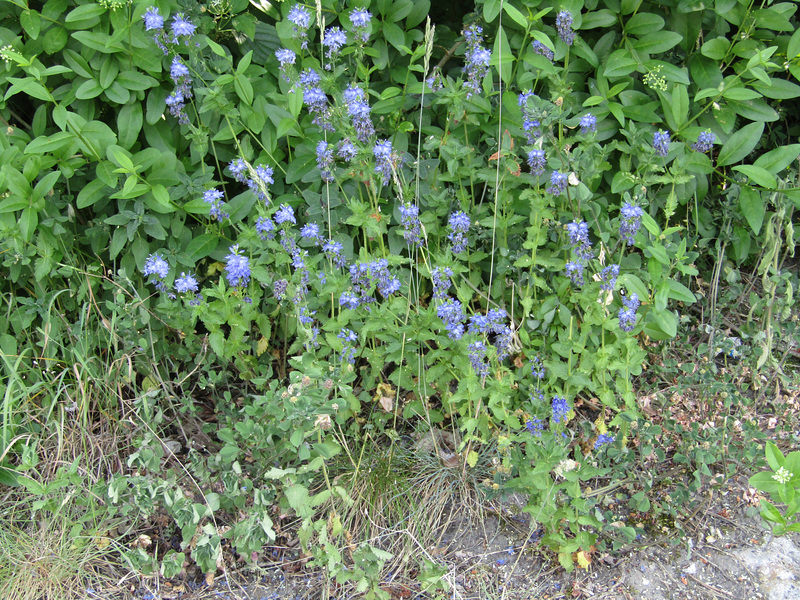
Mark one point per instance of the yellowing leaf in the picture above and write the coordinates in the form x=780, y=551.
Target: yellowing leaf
x=583, y=559
x=262, y=345
x=472, y=458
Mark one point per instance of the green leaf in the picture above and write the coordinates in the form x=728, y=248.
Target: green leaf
x=491, y=8
x=740, y=144
x=752, y=206
x=299, y=500
x=643, y=23
x=793, y=48
x=31, y=22
x=680, y=104
x=757, y=175
x=201, y=246
x=775, y=458
x=97, y=41
x=599, y=18
x=244, y=89
x=50, y=144
x=754, y=110
x=715, y=49
x=657, y=42
x=666, y=321
x=779, y=89
x=87, y=12
x=620, y=64
x=394, y=35
x=129, y=124
x=55, y=39
x=502, y=55
x=778, y=159
x=91, y=193
x=28, y=221
x=516, y=15
x=135, y=81
x=158, y=200
x=88, y=89
x=678, y=291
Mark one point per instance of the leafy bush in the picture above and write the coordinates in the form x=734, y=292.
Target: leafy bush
x=377, y=232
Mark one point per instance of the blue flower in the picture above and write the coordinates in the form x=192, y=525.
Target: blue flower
x=349, y=337
x=385, y=159
x=564, y=27
x=539, y=48
x=537, y=161
x=334, y=39
x=325, y=161
x=535, y=426
x=181, y=27
x=279, y=289
x=186, y=283
x=237, y=270
x=537, y=368
x=309, y=78
x=452, y=314
x=441, y=282
x=310, y=231
x=265, y=228
x=175, y=101
x=238, y=168
x=579, y=238
x=661, y=142
x=478, y=59
x=627, y=314
x=349, y=300
x=285, y=56
x=560, y=409
x=346, y=150
x=458, y=223
x=152, y=20
x=588, y=123
x=361, y=19
x=285, y=214
x=574, y=271
x=608, y=277
x=334, y=252
x=630, y=222
x=301, y=19
x=155, y=266
x=213, y=197
x=705, y=141
x=409, y=219
x=177, y=70
x=603, y=439
x=558, y=183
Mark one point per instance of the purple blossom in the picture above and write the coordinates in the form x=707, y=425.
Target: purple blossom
x=265, y=228
x=346, y=150
x=409, y=219
x=477, y=358
x=458, y=223
x=627, y=314
x=452, y=314
x=285, y=57
x=285, y=214
x=558, y=183
x=325, y=161
x=349, y=337
x=309, y=78
x=539, y=48
x=349, y=300
x=478, y=59
x=186, y=283
x=238, y=168
x=334, y=40
x=181, y=27
x=155, y=266
x=574, y=271
x=310, y=231
x=177, y=70
x=237, y=269
x=602, y=440
x=630, y=222
x=588, y=123
x=535, y=426
x=214, y=198
x=440, y=276
x=579, y=238
x=560, y=409
x=152, y=20
x=705, y=141
x=564, y=27
x=661, y=142
x=608, y=277
x=385, y=159
x=361, y=19
x=537, y=368
x=537, y=161
x=301, y=19
x=333, y=250
x=176, y=102
x=279, y=289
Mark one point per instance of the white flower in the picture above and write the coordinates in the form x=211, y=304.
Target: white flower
x=782, y=475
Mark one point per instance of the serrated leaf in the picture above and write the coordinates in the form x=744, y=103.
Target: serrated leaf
x=740, y=144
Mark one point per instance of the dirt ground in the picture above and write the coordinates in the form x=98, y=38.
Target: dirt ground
x=721, y=551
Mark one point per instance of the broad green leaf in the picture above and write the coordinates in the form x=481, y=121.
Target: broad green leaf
x=740, y=144
x=491, y=8
x=45, y=186
x=620, y=64
x=394, y=35
x=158, y=200
x=136, y=81
x=129, y=124
x=50, y=143
x=244, y=89
x=757, y=175
x=775, y=458
x=778, y=159
x=657, y=42
x=769, y=18
x=599, y=18
x=91, y=193
x=705, y=72
x=754, y=110
x=715, y=49
x=678, y=291
x=779, y=89
x=31, y=22
x=89, y=89
x=502, y=55
x=97, y=41
x=740, y=93
x=643, y=23
x=201, y=246
x=680, y=104
x=752, y=206
x=516, y=15
x=55, y=39
x=793, y=49
x=28, y=221
x=87, y=12
x=666, y=321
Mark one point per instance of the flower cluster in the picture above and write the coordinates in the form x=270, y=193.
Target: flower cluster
x=582, y=248
x=349, y=337
x=325, y=161
x=630, y=222
x=157, y=269
x=564, y=27
x=237, y=269
x=452, y=314
x=558, y=183
x=476, y=351
x=477, y=58
x=608, y=277
x=537, y=161
x=257, y=179
x=315, y=99
x=661, y=142
x=385, y=159
x=409, y=219
x=214, y=198
x=542, y=50
x=359, y=112
x=705, y=141
x=364, y=277
x=334, y=41
x=441, y=278
x=301, y=20
x=493, y=325
x=361, y=19
x=535, y=426
x=588, y=123
x=458, y=225
x=181, y=27
x=602, y=440
x=627, y=314
x=530, y=120
x=560, y=409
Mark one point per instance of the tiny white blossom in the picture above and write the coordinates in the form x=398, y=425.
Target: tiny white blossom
x=782, y=475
